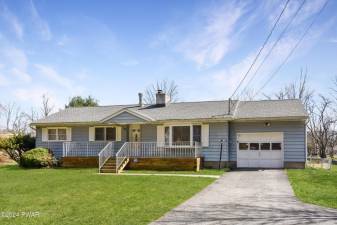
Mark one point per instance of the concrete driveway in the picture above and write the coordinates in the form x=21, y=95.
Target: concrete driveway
x=248, y=197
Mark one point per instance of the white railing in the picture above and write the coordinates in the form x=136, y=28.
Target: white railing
x=84, y=149
x=106, y=153
x=160, y=150
x=121, y=155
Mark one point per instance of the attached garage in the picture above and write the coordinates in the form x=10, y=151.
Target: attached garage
x=260, y=150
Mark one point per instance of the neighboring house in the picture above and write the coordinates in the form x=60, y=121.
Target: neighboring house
x=258, y=134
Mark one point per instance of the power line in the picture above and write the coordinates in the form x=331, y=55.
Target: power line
x=272, y=75
x=264, y=44
x=273, y=46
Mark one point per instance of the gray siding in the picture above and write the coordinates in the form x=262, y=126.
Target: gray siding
x=78, y=134
x=149, y=133
x=293, y=131
x=125, y=118
x=56, y=147
x=217, y=132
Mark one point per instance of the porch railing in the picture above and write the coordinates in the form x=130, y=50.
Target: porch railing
x=161, y=150
x=84, y=149
x=121, y=155
x=106, y=153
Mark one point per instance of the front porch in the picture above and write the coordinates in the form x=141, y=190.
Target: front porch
x=113, y=157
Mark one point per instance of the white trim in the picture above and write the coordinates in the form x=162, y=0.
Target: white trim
x=45, y=136
x=182, y=124
x=136, y=114
x=92, y=133
x=205, y=135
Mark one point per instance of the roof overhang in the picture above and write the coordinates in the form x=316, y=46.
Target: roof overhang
x=288, y=118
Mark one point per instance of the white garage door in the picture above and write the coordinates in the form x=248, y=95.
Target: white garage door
x=260, y=150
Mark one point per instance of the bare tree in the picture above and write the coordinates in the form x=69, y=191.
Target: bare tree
x=8, y=112
x=46, y=108
x=169, y=87
x=15, y=119
x=247, y=95
x=321, y=125
x=296, y=90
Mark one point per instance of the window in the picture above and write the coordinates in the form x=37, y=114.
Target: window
x=197, y=133
x=110, y=134
x=243, y=146
x=167, y=135
x=57, y=134
x=265, y=146
x=276, y=146
x=52, y=134
x=99, y=133
x=62, y=134
x=181, y=135
x=105, y=134
x=254, y=146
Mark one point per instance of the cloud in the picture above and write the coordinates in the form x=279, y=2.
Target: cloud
x=209, y=36
x=33, y=96
x=3, y=81
x=51, y=74
x=16, y=57
x=40, y=24
x=15, y=63
x=12, y=21
x=21, y=75
x=229, y=77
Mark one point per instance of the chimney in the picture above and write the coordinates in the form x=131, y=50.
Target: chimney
x=161, y=98
x=140, y=96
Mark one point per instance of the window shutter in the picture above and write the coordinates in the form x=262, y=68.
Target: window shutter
x=44, y=134
x=205, y=135
x=160, y=135
x=69, y=134
x=91, y=133
x=118, y=133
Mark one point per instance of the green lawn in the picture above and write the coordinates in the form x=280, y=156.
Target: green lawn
x=80, y=196
x=316, y=186
x=201, y=172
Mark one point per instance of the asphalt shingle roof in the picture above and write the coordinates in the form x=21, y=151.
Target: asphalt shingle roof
x=184, y=111
x=270, y=109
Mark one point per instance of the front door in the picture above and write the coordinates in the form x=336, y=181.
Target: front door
x=134, y=133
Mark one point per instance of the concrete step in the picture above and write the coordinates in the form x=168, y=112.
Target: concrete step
x=108, y=170
x=109, y=167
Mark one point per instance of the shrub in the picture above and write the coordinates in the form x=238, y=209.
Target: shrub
x=36, y=158
x=16, y=145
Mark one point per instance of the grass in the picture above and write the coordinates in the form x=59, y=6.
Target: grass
x=201, y=172
x=80, y=196
x=316, y=186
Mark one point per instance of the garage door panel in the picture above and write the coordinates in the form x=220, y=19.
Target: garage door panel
x=260, y=158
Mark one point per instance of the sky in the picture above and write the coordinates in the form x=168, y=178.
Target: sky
x=114, y=49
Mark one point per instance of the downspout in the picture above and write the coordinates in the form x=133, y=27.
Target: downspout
x=228, y=136
x=228, y=143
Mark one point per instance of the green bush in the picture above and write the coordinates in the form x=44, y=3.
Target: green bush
x=36, y=158
x=16, y=145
